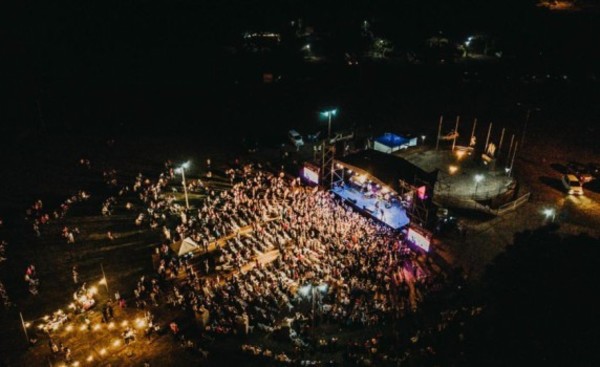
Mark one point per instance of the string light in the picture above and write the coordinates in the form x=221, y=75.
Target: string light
x=116, y=342
x=102, y=351
x=140, y=322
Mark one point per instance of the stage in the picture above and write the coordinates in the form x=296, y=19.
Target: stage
x=395, y=216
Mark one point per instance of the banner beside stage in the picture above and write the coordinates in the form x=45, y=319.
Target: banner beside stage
x=419, y=237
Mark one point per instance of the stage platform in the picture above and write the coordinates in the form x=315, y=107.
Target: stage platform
x=394, y=217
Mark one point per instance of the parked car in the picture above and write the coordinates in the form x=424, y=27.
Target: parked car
x=572, y=184
x=580, y=170
x=295, y=138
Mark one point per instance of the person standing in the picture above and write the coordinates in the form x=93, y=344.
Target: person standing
x=75, y=275
x=174, y=328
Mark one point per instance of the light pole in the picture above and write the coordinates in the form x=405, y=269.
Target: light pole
x=182, y=169
x=329, y=114
x=527, y=117
x=478, y=179
x=24, y=328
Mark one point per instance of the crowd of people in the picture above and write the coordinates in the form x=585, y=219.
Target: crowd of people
x=274, y=257
x=331, y=265
x=39, y=217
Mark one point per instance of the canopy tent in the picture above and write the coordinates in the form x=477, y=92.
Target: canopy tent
x=389, y=143
x=184, y=247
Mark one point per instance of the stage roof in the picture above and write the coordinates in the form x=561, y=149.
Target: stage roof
x=387, y=169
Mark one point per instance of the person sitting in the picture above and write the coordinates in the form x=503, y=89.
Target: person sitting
x=128, y=335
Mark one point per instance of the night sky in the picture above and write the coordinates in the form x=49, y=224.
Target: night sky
x=120, y=67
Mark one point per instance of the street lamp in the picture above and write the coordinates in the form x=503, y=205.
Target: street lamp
x=478, y=179
x=530, y=109
x=182, y=169
x=328, y=114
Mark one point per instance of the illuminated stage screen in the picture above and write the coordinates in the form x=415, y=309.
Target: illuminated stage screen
x=418, y=239
x=310, y=175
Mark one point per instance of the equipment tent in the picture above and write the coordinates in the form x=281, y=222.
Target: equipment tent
x=389, y=143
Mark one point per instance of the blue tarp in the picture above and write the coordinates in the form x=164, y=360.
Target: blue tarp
x=392, y=140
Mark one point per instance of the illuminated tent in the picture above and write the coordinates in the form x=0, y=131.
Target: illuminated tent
x=184, y=247
x=389, y=143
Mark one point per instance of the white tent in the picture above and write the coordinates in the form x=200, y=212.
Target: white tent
x=389, y=143
x=183, y=247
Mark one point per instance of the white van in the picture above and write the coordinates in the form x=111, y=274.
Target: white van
x=295, y=138
x=572, y=184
